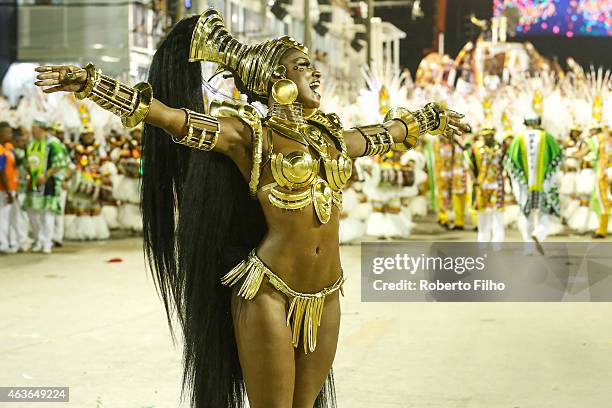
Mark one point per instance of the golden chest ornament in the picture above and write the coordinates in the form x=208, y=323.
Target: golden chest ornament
x=297, y=182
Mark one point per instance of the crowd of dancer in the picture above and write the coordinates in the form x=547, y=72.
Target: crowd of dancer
x=57, y=184
x=538, y=160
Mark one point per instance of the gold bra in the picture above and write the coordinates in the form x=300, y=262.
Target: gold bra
x=297, y=182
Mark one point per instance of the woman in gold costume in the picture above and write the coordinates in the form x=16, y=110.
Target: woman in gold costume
x=241, y=212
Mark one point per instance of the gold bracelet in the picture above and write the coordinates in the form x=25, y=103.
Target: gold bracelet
x=202, y=131
x=378, y=139
x=130, y=104
x=92, y=77
x=417, y=123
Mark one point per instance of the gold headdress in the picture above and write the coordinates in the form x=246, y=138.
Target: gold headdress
x=252, y=64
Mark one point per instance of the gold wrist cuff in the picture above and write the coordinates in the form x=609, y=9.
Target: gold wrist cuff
x=130, y=104
x=92, y=75
x=378, y=139
x=202, y=131
x=144, y=93
x=417, y=123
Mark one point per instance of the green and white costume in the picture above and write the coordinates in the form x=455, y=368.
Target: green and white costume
x=42, y=155
x=533, y=159
x=601, y=150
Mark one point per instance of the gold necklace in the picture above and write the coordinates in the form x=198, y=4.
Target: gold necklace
x=306, y=134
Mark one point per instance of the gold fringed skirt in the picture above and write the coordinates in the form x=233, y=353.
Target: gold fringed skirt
x=305, y=309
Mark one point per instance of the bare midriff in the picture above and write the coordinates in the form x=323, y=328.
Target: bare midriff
x=297, y=247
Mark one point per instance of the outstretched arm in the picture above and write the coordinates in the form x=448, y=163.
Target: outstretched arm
x=403, y=129
x=136, y=104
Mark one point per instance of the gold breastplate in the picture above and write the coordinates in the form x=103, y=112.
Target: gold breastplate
x=297, y=182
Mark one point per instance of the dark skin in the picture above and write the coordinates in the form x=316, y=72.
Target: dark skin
x=276, y=374
x=489, y=139
x=87, y=138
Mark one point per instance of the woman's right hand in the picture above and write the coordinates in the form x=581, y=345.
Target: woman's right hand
x=54, y=78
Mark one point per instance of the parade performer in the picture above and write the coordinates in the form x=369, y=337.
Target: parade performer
x=21, y=223
x=600, y=144
x=414, y=201
x=127, y=190
x=58, y=225
x=439, y=153
x=569, y=172
x=577, y=184
x=250, y=280
x=46, y=157
x=511, y=207
x=486, y=163
x=459, y=188
x=9, y=180
x=88, y=188
x=356, y=207
x=533, y=160
x=110, y=175
x=384, y=188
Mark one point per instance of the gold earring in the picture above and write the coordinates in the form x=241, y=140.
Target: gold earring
x=284, y=91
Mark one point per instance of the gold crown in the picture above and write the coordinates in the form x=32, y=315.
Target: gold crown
x=253, y=64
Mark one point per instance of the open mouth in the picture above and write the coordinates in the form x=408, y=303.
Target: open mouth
x=315, y=85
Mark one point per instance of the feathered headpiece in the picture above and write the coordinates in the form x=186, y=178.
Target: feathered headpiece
x=598, y=84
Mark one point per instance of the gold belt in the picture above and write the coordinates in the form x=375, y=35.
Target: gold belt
x=305, y=309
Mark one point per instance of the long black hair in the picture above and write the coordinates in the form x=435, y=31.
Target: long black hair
x=198, y=222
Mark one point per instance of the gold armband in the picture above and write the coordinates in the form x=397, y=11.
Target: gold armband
x=130, y=104
x=202, y=131
x=417, y=123
x=378, y=139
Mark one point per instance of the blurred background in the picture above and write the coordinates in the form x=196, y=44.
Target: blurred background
x=88, y=316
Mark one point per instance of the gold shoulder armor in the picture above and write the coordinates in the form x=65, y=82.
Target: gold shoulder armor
x=331, y=122
x=248, y=115
x=335, y=120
